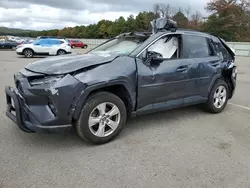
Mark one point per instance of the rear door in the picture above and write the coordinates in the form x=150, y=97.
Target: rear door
x=54, y=46
x=204, y=68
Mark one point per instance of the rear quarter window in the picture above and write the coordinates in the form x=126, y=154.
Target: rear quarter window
x=54, y=42
x=221, y=50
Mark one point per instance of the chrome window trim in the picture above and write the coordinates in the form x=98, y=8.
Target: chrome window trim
x=179, y=33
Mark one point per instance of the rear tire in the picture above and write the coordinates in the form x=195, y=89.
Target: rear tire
x=28, y=53
x=61, y=52
x=73, y=46
x=98, y=126
x=218, y=97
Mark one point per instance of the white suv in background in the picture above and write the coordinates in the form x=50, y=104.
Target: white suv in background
x=44, y=47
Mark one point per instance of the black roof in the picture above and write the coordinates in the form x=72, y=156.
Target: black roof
x=190, y=31
x=178, y=31
x=46, y=37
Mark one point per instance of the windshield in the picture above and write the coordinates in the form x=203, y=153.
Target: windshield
x=123, y=45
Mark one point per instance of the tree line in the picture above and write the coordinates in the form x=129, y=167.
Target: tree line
x=228, y=19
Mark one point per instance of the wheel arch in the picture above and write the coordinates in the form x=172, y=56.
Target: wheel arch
x=227, y=78
x=60, y=50
x=28, y=48
x=118, y=88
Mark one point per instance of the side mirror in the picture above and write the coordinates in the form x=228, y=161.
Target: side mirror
x=153, y=57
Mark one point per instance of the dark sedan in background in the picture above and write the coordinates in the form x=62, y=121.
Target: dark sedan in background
x=8, y=44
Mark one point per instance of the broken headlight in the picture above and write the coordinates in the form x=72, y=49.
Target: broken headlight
x=46, y=80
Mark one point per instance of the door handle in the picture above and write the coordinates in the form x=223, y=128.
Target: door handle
x=181, y=69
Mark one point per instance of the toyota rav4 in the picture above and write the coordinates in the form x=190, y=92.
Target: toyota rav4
x=129, y=75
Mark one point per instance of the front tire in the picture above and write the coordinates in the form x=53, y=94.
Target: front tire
x=73, y=46
x=28, y=53
x=102, y=118
x=218, y=97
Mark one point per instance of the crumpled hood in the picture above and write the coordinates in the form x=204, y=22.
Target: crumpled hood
x=69, y=63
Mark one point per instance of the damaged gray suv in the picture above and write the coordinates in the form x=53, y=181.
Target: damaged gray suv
x=129, y=75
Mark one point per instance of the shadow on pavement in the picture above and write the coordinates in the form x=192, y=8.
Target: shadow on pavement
x=71, y=140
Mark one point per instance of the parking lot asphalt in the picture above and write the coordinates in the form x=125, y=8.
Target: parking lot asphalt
x=179, y=148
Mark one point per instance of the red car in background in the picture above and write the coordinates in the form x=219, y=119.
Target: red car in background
x=77, y=43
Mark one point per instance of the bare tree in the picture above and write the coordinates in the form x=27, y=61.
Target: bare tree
x=219, y=5
x=188, y=12
x=162, y=9
x=244, y=4
x=174, y=10
x=180, y=9
x=196, y=20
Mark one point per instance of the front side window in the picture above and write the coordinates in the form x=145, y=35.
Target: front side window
x=167, y=47
x=196, y=47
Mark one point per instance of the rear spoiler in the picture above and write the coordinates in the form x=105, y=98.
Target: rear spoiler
x=230, y=50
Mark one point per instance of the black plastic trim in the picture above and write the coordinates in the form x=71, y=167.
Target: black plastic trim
x=26, y=126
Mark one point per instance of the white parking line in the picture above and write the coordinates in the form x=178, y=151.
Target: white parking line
x=240, y=106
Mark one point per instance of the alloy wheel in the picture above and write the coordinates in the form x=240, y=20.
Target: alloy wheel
x=104, y=119
x=61, y=52
x=28, y=53
x=220, y=96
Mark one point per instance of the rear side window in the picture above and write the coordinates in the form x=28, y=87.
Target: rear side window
x=54, y=42
x=221, y=50
x=43, y=41
x=196, y=47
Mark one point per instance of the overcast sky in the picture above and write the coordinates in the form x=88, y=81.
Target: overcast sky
x=48, y=14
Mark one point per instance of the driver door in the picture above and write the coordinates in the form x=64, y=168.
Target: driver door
x=162, y=84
